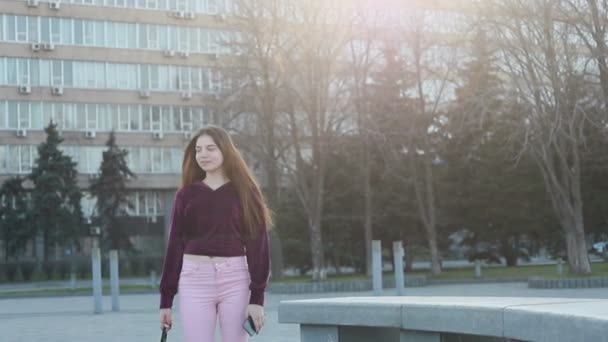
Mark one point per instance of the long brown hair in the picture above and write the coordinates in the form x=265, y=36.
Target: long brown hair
x=255, y=211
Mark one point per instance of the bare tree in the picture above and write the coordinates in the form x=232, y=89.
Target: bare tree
x=318, y=101
x=364, y=54
x=589, y=18
x=257, y=103
x=547, y=72
x=431, y=65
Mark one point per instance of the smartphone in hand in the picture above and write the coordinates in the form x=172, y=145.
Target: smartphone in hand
x=249, y=326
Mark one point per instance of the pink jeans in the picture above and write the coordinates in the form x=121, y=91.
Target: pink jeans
x=209, y=290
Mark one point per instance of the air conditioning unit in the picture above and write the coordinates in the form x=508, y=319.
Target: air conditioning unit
x=169, y=53
x=58, y=91
x=93, y=176
x=186, y=95
x=32, y=3
x=48, y=46
x=220, y=16
x=22, y=133
x=187, y=135
x=190, y=15
x=184, y=54
x=35, y=47
x=25, y=89
x=151, y=219
x=90, y=134
x=213, y=56
x=158, y=135
x=179, y=14
x=144, y=94
x=54, y=5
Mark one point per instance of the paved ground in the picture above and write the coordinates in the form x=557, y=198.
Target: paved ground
x=70, y=319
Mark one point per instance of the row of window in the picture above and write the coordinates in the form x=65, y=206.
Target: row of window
x=139, y=203
x=19, y=159
x=110, y=34
x=211, y=7
x=35, y=115
x=117, y=76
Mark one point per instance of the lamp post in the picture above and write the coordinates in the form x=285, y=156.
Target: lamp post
x=95, y=232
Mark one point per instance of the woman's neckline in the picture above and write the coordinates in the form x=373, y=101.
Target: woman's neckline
x=212, y=189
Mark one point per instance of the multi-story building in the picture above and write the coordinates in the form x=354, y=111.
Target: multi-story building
x=147, y=69
x=151, y=70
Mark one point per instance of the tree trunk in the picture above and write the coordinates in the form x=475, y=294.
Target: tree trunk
x=509, y=249
x=425, y=201
x=367, y=208
x=316, y=248
x=276, y=249
x=434, y=250
x=409, y=257
x=578, y=259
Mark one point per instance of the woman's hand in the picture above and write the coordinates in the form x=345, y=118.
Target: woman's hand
x=257, y=314
x=165, y=319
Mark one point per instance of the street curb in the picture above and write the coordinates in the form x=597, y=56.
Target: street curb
x=567, y=283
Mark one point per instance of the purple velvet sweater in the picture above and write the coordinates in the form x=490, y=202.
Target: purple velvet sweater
x=210, y=222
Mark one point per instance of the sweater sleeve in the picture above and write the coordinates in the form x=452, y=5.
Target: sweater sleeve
x=258, y=260
x=174, y=252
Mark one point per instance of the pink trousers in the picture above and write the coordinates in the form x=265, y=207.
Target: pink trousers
x=210, y=290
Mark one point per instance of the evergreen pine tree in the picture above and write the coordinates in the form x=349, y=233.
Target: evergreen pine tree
x=111, y=193
x=56, y=209
x=15, y=229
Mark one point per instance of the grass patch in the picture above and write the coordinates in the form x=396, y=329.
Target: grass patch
x=85, y=291
x=599, y=269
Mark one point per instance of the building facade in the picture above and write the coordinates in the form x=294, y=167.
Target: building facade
x=151, y=70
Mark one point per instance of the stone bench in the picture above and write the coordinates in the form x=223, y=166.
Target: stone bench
x=447, y=319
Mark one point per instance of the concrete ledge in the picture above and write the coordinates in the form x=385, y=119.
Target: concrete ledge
x=567, y=283
x=526, y=319
x=341, y=286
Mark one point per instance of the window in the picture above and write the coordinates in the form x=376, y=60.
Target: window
x=167, y=119
x=45, y=72
x=23, y=71
x=3, y=105
x=145, y=118
x=68, y=73
x=100, y=37
x=91, y=118
x=4, y=159
x=123, y=117
x=11, y=71
x=135, y=117
x=78, y=32
x=144, y=75
x=21, y=29
x=33, y=29
x=56, y=73
x=57, y=26
x=111, y=34
x=153, y=37
x=11, y=32
x=194, y=44
x=45, y=32
x=143, y=36
x=67, y=32
x=155, y=119
x=36, y=115
x=35, y=72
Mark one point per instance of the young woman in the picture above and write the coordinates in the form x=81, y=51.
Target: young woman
x=217, y=256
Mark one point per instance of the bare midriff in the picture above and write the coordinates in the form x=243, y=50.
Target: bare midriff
x=203, y=258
